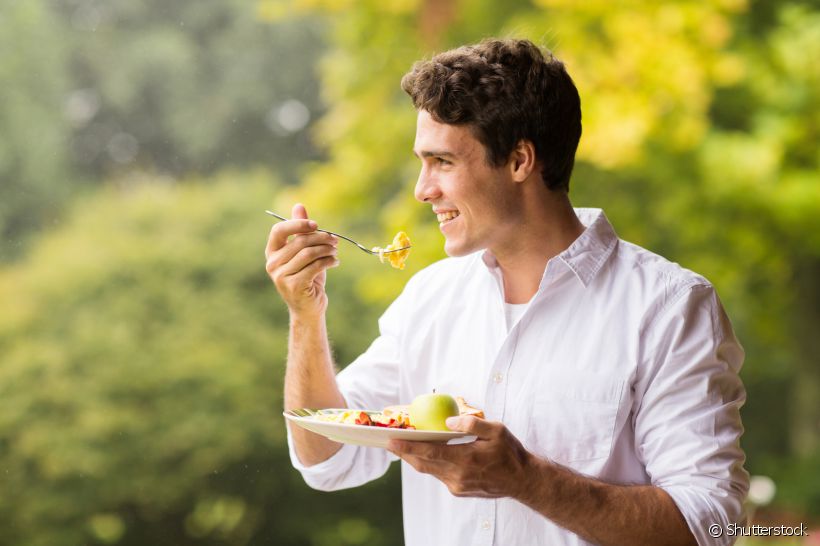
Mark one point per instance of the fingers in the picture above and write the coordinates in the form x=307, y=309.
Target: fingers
x=297, y=258
x=307, y=263
x=280, y=232
x=294, y=286
x=299, y=212
x=427, y=451
x=423, y=465
x=494, y=467
x=324, y=242
x=446, y=465
x=425, y=457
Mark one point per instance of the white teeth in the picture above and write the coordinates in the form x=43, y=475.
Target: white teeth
x=444, y=216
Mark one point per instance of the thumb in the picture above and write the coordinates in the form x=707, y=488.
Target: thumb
x=471, y=425
x=299, y=212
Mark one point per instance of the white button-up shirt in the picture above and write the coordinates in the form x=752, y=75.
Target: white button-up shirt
x=623, y=367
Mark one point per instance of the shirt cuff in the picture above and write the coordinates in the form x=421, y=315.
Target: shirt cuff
x=323, y=476
x=709, y=524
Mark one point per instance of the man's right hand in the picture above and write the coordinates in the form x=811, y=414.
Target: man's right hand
x=297, y=259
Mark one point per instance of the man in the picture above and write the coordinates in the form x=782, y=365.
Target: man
x=608, y=375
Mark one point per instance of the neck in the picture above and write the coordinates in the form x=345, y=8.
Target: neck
x=546, y=227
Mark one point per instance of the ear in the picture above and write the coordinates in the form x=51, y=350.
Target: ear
x=522, y=160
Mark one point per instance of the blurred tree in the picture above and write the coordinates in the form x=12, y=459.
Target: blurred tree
x=33, y=133
x=140, y=388
x=191, y=86
x=700, y=141
x=99, y=89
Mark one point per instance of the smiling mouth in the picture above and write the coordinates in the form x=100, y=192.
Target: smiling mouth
x=444, y=217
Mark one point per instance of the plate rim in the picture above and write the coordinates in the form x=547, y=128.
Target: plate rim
x=289, y=414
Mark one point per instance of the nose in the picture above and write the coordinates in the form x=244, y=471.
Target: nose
x=427, y=188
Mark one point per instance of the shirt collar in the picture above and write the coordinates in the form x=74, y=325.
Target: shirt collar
x=587, y=254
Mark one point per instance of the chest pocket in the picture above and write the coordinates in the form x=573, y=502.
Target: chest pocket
x=573, y=417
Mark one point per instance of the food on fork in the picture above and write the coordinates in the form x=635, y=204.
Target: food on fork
x=396, y=259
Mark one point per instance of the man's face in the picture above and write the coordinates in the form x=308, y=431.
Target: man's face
x=475, y=202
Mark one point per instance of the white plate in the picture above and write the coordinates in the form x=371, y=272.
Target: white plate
x=364, y=435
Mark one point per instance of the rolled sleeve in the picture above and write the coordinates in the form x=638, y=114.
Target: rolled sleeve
x=351, y=466
x=688, y=427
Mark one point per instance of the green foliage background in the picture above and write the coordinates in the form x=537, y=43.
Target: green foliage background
x=142, y=345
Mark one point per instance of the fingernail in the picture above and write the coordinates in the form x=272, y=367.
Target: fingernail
x=451, y=422
x=312, y=224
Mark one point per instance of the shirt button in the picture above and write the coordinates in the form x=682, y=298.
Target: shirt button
x=498, y=378
x=485, y=524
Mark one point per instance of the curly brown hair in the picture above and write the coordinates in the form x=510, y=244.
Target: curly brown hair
x=505, y=91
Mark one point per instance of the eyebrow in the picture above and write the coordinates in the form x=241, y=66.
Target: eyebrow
x=433, y=153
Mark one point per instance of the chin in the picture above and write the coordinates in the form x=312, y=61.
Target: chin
x=455, y=250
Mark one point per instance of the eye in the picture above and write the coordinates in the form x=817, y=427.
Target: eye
x=442, y=161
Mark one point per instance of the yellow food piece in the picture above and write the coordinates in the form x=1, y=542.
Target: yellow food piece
x=396, y=259
x=349, y=417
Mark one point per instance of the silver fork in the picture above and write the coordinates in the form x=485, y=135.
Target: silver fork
x=376, y=253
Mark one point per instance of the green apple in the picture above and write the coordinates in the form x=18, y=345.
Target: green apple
x=430, y=411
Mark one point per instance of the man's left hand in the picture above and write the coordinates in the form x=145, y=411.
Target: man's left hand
x=495, y=465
